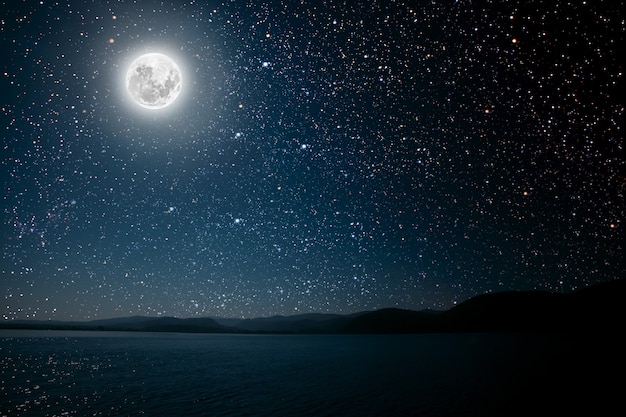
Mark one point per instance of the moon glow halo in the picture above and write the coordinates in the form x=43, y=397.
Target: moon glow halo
x=153, y=81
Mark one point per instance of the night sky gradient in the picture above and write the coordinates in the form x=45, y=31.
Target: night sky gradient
x=322, y=157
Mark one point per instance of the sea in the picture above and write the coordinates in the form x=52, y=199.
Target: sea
x=98, y=373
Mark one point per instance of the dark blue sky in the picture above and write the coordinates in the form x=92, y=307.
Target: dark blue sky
x=321, y=158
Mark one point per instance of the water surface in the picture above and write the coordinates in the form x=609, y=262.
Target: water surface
x=54, y=373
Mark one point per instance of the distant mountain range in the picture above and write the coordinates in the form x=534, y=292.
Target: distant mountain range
x=598, y=307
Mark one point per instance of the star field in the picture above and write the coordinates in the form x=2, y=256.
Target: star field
x=322, y=157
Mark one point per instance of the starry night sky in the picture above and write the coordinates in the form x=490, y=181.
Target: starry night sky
x=322, y=157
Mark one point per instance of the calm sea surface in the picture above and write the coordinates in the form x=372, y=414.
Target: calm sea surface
x=56, y=373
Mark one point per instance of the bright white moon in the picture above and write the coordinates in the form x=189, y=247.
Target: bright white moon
x=153, y=81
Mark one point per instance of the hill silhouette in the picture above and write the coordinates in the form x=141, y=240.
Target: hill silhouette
x=135, y=324
x=597, y=307
x=594, y=308
x=300, y=323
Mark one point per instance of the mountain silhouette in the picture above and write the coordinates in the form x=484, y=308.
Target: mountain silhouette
x=300, y=323
x=595, y=308
x=135, y=323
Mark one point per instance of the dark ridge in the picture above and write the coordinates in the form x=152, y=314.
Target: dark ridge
x=394, y=320
x=596, y=308
x=301, y=323
x=135, y=324
x=506, y=310
x=171, y=324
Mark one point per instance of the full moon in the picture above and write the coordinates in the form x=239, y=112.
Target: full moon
x=153, y=81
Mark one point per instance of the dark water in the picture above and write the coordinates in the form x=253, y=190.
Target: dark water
x=45, y=373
